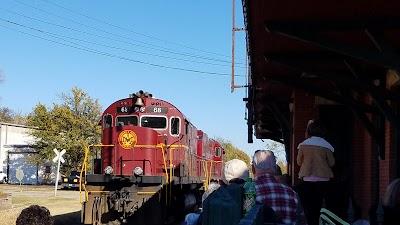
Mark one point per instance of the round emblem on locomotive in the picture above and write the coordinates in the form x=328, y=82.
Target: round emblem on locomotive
x=127, y=139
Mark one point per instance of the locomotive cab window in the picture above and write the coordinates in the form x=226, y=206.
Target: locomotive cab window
x=107, y=121
x=127, y=120
x=218, y=151
x=154, y=122
x=175, y=125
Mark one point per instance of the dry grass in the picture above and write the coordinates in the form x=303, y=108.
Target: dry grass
x=64, y=210
x=24, y=188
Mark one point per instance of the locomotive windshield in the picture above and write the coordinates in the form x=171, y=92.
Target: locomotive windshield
x=127, y=120
x=154, y=122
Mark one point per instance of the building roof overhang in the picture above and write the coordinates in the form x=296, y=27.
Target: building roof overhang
x=334, y=50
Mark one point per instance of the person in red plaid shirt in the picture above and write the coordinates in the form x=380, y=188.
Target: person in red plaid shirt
x=270, y=192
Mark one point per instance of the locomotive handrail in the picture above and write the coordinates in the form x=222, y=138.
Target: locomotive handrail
x=165, y=168
x=170, y=171
x=84, y=168
x=207, y=181
x=208, y=173
x=168, y=176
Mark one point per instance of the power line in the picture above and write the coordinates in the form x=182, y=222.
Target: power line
x=107, y=32
x=88, y=33
x=108, y=46
x=114, y=56
x=135, y=32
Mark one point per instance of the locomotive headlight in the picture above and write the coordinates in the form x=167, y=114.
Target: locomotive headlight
x=138, y=171
x=108, y=170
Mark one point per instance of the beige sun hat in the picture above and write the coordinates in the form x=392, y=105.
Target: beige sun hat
x=235, y=168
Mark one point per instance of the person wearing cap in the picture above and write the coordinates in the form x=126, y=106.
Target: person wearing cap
x=235, y=171
x=272, y=193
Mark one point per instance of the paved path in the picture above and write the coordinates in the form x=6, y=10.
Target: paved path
x=38, y=190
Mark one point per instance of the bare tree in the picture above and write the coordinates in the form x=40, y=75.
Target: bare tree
x=6, y=115
x=1, y=76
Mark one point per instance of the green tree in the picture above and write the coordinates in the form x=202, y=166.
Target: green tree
x=71, y=125
x=232, y=152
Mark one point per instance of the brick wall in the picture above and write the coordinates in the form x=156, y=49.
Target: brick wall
x=364, y=168
x=371, y=175
x=303, y=110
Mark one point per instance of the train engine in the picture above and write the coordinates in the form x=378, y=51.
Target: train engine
x=154, y=164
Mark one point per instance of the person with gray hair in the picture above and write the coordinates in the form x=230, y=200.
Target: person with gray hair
x=265, y=161
x=270, y=192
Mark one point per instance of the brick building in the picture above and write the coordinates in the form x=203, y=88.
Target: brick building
x=336, y=62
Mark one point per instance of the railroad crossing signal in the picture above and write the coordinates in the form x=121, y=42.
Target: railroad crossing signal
x=59, y=155
x=58, y=159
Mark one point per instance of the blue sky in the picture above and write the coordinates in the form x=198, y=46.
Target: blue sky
x=113, y=48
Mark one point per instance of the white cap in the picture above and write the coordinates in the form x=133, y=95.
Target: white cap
x=235, y=168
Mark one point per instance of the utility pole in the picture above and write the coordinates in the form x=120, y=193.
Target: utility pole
x=234, y=29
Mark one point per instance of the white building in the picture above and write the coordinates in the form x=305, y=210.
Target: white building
x=15, y=147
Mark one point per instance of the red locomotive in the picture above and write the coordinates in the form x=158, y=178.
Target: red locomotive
x=154, y=164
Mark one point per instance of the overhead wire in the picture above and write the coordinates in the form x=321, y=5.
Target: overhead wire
x=156, y=47
x=144, y=53
x=83, y=48
x=129, y=50
x=135, y=32
x=125, y=42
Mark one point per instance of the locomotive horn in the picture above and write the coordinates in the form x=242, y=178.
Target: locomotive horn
x=139, y=102
x=139, y=93
x=146, y=94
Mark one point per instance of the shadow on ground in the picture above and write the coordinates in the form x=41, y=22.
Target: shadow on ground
x=73, y=218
